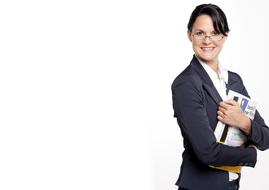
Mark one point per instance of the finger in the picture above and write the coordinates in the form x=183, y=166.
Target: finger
x=221, y=114
x=220, y=118
x=224, y=105
x=222, y=109
x=231, y=102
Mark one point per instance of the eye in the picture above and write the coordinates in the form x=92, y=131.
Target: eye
x=215, y=33
x=199, y=33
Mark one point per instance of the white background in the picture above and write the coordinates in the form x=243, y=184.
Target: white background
x=85, y=100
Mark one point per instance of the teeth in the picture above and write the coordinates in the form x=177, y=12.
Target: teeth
x=207, y=49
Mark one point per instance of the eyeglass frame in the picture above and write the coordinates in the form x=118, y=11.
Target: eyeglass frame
x=195, y=35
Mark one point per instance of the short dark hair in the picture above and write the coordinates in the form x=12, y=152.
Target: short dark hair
x=218, y=17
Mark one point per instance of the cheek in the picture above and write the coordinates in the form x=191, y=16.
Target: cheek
x=219, y=47
x=195, y=45
x=195, y=48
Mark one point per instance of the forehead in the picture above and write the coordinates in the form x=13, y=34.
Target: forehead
x=204, y=23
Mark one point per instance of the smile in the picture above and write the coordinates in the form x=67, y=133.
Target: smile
x=207, y=49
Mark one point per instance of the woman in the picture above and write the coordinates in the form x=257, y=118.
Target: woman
x=198, y=101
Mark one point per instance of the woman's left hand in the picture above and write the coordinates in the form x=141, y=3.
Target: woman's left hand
x=230, y=113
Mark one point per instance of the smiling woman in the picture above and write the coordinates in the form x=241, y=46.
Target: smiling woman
x=206, y=41
x=201, y=103
x=208, y=31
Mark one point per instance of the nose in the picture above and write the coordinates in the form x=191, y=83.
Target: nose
x=207, y=40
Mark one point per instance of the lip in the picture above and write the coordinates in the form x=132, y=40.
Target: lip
x=207, y=49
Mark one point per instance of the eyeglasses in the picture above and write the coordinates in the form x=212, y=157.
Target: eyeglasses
x=202, y=36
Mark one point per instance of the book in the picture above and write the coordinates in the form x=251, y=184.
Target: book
x=233, y=136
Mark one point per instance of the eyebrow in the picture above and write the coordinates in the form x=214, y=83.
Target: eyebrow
x=200, y=30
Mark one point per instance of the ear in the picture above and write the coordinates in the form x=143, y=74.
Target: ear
x=189, y=35
x=227, y=34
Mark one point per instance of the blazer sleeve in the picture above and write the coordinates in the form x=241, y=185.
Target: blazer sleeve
x=259, y=135
x=192, y=117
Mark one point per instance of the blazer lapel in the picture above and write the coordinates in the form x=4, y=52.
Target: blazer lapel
x=213, y=93
x=233, y=83
x=207, y=82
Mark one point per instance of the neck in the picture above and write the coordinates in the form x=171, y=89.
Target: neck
x=214, y=66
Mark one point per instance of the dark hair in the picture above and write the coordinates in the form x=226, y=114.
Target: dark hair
x=218, y=17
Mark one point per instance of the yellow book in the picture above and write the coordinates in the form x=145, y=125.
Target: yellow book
x=235, y=169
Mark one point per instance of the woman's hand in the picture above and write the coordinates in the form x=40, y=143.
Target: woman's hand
x=230, y=113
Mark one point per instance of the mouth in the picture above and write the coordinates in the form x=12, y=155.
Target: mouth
x=207, y=49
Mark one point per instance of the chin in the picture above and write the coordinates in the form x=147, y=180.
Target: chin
x=206, y=58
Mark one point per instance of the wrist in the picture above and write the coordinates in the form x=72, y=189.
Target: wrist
x=246, y=125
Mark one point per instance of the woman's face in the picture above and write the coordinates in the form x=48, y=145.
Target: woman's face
x=205, y=48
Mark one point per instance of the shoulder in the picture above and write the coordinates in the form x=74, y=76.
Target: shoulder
x=234, y=78
x=236, y=83
x=187, y=77
x=234, y=75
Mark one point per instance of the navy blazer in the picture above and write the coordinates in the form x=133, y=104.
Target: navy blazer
x=195, y=103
